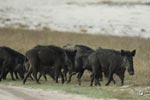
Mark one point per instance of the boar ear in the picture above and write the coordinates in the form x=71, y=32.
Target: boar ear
x=133, y=52
x=122, y=52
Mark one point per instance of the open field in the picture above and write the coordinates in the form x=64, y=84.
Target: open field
x=23, y=40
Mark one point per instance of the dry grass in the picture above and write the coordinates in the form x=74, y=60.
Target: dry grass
x=23, y=40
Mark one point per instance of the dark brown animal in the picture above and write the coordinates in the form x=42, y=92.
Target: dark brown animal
x=111, y=62
x=50, y=56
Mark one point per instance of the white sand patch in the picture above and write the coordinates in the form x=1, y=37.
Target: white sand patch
x=60, y=15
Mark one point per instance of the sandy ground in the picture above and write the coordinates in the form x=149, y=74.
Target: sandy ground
x=82, y=16
x=20, y=93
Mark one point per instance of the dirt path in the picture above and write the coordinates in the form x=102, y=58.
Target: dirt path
x=20, y=93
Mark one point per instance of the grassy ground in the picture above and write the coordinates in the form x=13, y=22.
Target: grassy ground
x=23, y=40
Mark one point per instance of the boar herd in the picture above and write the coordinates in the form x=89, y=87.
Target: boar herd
x=64, y=62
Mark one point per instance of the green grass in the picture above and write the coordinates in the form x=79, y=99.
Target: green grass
x=112, y=91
